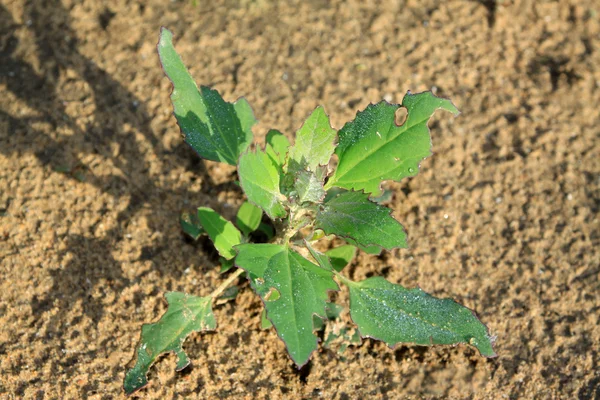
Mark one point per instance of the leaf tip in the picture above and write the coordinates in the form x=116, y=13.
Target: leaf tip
x=165, y=39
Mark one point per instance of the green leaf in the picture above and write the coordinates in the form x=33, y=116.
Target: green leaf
x=186, y=314
x=352, y=215
x=264, y=322
x=248, y=218
x=333, y=193
x=308, y=187
x=259, y=179
x=318, y=323
x=267, y=230
x=277, y=146
x=215, y=129
x=302, y=289
x=372, y=148
x=393, y=314
x=333, y=311
x=223, y=233
x=226, y=265
x=386, y=196
x=319, y=257
x=228, y=294
x=191, y=225
x=372, y=249
x=314, y=143
x=341, y=256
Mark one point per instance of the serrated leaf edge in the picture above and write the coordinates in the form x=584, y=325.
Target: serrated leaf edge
x=333, y=142
x=370, y=244
x=401, y=105
x=209, y=138
x=139, y=342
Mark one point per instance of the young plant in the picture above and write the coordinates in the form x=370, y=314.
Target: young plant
x=306, y=200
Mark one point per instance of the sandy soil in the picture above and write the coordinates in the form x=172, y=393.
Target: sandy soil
x=93, y=174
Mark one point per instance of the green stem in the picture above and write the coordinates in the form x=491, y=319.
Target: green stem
x=226, y=284
x=346, y=281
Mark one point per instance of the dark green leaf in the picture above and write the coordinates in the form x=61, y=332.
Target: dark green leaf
x=341, y=256
x=191, y=225
x=318, y=323
x=267, y=230
x=302, y=289
x=333, y=193
x=223, y=233
x=215, y=129
x=185, y=314
x=248, y=218
x=352, y=215
x=386, y=196
x=372, y=148
x=228, y=294
x=333, y=311
x=393, y=314
x=259, y=178
x=226, y=265
x=319, y=257
x=314, y=143
x=373, y=249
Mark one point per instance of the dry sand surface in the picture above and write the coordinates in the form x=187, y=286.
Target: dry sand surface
x=93, y=175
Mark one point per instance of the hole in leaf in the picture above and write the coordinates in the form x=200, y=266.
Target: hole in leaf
x=272, y=295
x=400, y=116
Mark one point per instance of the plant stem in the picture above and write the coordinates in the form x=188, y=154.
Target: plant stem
x=346, y=281
x=225, y=284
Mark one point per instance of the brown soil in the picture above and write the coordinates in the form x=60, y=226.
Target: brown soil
x=93, y=175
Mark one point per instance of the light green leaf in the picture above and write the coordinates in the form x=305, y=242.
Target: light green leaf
x=215, y=129
x=372, y=148
x=264, y=322
x=301, y=287
x=223, y=233
x=186, y=314
x=277, y=146
x=352, y=215
x=341, y=256
x=314, y=143
x=248, y=218
x=191, y=225
x=308, y=187
x=259, y=179
x=393, y=314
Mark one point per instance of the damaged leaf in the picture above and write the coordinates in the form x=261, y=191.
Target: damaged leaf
x=186, y=314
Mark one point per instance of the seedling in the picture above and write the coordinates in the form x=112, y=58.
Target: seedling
x=307, y=200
